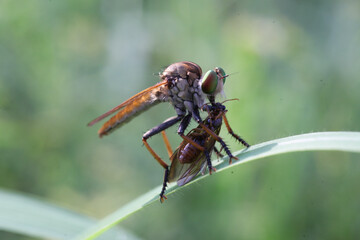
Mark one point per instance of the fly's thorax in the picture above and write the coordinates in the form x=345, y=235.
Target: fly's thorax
x=185, y=94
x=182, y=70
x=184, y=86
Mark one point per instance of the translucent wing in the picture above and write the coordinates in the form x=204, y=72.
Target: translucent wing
x=132, y=107
x=184, y=173
x=192, y=170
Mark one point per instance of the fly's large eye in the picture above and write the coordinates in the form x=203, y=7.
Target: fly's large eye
x=209, y=82
x=220, y=71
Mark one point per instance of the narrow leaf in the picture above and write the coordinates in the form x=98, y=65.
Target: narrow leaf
x=32, y=217
x=323, y=141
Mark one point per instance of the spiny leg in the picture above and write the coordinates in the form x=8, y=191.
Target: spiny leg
x=219, y=139
x=208, y=161
x=227, y=150
x=237, y=137
x=166, y=180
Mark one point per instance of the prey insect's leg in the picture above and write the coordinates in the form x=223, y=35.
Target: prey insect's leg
x=166, y=180
x=218, y=153
x=167, y=143
x=219, y=139
x=227, y=150
x=237, y=137
x=166, y=124
x=208, y=161
x=187, y=139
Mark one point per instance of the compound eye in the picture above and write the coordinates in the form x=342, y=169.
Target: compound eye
x=221, y=73
x=209, y=82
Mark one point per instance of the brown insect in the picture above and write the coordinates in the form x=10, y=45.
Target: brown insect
x=188, y=159
x=183, y=86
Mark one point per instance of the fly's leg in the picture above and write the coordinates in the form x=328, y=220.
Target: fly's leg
x=167, y=144
x=183, y=125
x=237, y=137
x=155, y=130
x=154, y=154
x=185, y=120
x=166, y=180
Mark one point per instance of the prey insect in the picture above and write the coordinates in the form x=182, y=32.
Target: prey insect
x=187, y=160
x=183, y=86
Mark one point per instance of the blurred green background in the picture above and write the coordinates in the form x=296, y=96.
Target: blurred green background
x=295, y=68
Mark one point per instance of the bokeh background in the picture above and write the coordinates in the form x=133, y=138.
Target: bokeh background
x=294, y=66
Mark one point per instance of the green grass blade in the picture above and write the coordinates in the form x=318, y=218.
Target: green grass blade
x=32, y=217
x=323, y=141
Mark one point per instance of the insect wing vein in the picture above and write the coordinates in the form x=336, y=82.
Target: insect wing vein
x=134, y=98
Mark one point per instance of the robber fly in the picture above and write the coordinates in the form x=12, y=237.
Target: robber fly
x=188, y=160
x=181, y=85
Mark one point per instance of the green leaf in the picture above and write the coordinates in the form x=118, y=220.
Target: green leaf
x=324, y=141
x=32, y=217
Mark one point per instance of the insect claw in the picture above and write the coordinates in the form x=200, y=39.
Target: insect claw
x=163, y=198
x=211, y=170
x=219, y=155
x=231, y=158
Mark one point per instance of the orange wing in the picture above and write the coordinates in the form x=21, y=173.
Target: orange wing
x=132, y=107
